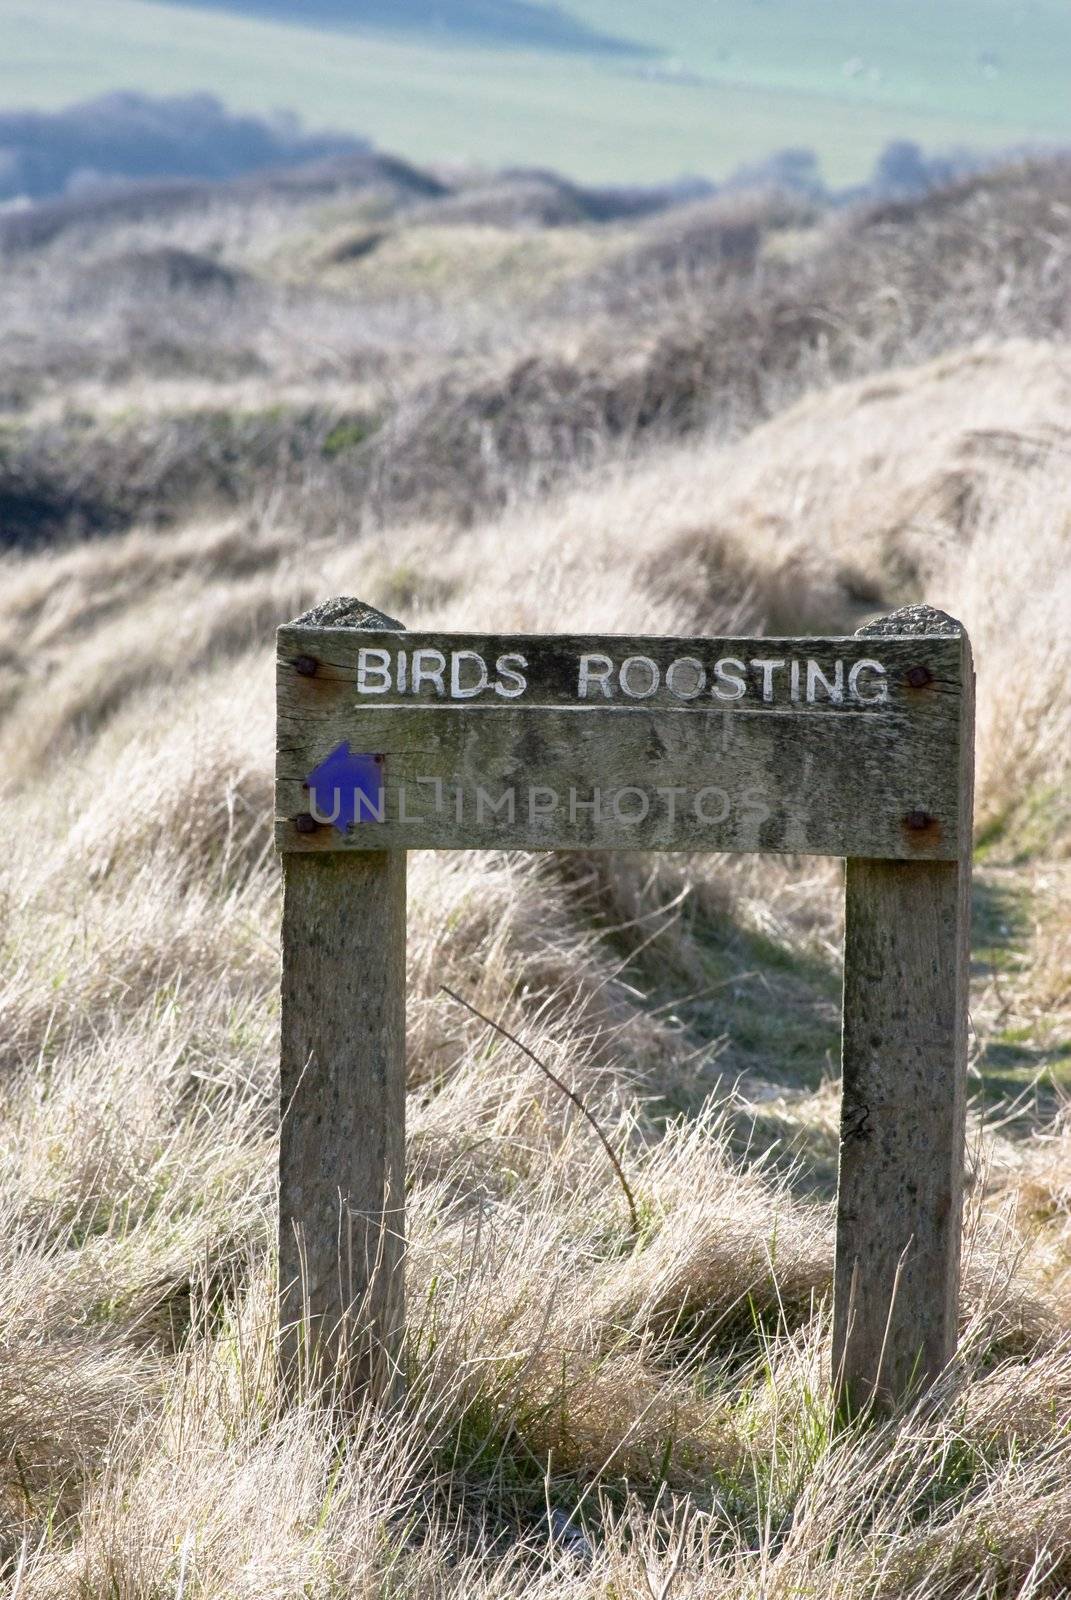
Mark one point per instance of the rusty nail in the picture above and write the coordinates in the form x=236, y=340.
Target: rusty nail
x=306, y=665
x=917, y=820
x=305, y=822
x=919, y=677
x=378, y=760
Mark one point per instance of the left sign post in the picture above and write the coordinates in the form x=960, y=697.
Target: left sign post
x=342, y=1102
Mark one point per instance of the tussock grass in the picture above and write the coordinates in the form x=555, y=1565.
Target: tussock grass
x=588, y=1412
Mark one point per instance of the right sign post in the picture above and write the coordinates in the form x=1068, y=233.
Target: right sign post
x=903, y=1099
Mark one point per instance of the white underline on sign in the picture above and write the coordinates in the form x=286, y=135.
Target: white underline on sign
x=708, y=711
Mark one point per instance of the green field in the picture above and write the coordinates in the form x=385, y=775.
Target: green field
x=735, y=79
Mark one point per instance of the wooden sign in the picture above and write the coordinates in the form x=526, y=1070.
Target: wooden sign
x=859, y=747
x=826, y=746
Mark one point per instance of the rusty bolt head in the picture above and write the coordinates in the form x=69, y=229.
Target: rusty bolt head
x=308, y=666
x=305, y=822
x=917, y=821
x=919, y=677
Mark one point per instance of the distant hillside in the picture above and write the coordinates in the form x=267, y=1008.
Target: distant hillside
x=528, y=23
x=130, y=136
x=520, y=83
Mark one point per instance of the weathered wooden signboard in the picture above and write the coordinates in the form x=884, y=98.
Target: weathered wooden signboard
x=858, y=747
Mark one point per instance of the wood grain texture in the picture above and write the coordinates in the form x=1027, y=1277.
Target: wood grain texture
x=342, y=1110
x=900, y=1190
x=854, y=777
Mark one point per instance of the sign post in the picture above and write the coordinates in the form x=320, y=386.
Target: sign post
x=858, y=747
x=903, y=1100
x=342, y=1094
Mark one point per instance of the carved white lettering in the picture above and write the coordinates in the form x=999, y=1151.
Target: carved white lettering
x=692, y=672
x=506, y=667
x=729, y=672
x=879, y=692
x=627, y=676
x=466, y=691
x=377, y=662
x=816, y=679
x=428, y=667
x=767, y=666
x=594, y=669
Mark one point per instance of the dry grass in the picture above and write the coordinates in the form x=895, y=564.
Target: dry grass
x=495, y=358
x=587, y=1414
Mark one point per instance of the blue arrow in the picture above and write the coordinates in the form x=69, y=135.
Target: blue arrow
x=346, y=787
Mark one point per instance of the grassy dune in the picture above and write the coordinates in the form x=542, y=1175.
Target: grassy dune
x=717, y=419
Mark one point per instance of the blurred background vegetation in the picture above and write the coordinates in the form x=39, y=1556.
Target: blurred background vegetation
x=246, y=364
